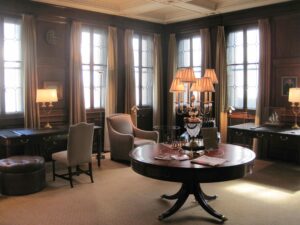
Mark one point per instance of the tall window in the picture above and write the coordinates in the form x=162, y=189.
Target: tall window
x=243, y=68
x=11, y=79
x=189, y=55
x=143, y=69
x=94, y=66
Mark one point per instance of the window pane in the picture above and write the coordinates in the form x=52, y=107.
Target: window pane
x=252, y=46
x=147, y=51
x=94, y=80
x=99, y=86
x=135, y=46
x=235, y=51
x=12, y=41
x=197, y=71
x=87, y=86
x=196, y=51
x=85, y=46
x=252, y=86
x=235, y=84
x=13, y=87
x=137, y=85
x=184, y=53
x=147, y=86
x=99, y=44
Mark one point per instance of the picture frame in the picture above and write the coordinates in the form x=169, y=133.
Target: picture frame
x=55, y=85
x=288, y=82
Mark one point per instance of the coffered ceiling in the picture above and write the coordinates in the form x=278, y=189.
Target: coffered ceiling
x=162, y=11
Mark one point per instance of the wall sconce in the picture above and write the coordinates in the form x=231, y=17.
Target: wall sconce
x=294, y=98
x=45, y=96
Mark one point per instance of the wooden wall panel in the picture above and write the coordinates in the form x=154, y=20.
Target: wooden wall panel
x=286, y=36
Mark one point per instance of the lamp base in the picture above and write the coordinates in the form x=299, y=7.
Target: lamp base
x=295, y=126
x=48, y=125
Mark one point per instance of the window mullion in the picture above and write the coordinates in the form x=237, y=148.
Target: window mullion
x=91, y=69
x=2, y=93
x=245, y=67
x=140, y=70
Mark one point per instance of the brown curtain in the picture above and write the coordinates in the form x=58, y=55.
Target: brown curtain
x=129, y=72
x=76, y=104
x=111, y=85
x=31, y=111
x=263, y=95
x=221, y=89
x=157, y=81
x=172, y=68
x=206, y=49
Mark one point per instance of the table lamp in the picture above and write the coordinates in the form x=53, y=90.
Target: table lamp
x=294, y=98
x=45, y=96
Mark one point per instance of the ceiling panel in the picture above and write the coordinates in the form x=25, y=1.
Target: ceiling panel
x=162, y=11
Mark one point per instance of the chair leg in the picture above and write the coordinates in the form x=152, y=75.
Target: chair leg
x=53, y=169
x=91, y=172
x=70, y=176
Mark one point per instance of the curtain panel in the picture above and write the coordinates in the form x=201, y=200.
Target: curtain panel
x=129, y=72
x=31, y=108
x=111, y=82
x=172, y=68
x=76, y=104
x=263, y=95
x=206, y=49
x=221, y=71
x=157, y=81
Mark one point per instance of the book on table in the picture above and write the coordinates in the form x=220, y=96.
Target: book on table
x=210, y=161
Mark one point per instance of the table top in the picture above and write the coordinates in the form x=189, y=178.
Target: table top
x=283, y=130
x=239, y=163
x=25, y=132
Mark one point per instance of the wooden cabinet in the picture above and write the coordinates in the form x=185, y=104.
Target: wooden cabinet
x=278, y=143
x=42, y=142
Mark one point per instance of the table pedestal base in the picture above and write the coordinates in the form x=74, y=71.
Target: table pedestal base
x=183, y=193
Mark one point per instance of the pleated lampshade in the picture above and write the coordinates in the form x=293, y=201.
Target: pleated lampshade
x=206, y=85
x=186, y=75
x=176, y=86
x=212, y=75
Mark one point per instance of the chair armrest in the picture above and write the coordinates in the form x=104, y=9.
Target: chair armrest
x=120, y=139
x=152, y=135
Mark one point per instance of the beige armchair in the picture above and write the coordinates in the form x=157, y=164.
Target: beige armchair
x=124, y=136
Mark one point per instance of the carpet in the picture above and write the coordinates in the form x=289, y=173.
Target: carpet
x=119, y=196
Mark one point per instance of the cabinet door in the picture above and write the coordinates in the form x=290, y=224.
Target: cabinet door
x=284, y=147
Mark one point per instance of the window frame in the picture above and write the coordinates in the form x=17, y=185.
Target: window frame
x=3, y=114
x=244, y=29
x=91, y=28
x=140, y=67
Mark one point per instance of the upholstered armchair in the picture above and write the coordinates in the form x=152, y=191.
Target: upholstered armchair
x=124, y=136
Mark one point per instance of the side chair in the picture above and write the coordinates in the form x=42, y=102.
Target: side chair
x=79, y=152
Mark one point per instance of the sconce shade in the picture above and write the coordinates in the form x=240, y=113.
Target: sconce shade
x=212, y=75
x=186, y=75
x=294, y=95
x=176, y=86
x=46, y=95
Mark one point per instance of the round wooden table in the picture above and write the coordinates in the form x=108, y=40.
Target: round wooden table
x=239, y=163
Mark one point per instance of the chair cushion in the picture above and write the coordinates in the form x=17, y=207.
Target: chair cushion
x=61, y=157
x=21, y=164
x=140, y=141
